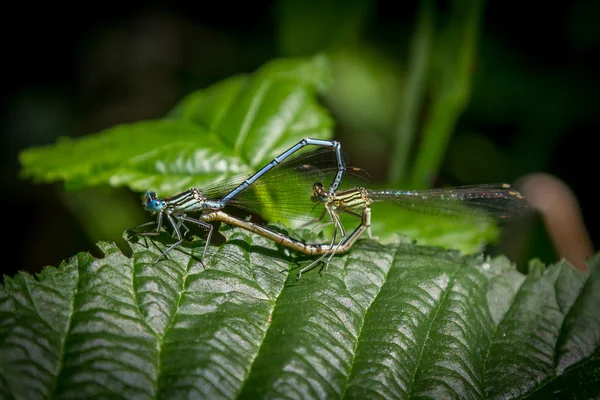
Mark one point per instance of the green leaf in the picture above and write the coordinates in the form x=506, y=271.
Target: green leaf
x=383, y=321
x=230, y=128
x=466, y=235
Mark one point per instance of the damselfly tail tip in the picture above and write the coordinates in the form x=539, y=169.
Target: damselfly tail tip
x=516, y=195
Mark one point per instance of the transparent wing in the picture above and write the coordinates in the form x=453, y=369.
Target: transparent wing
x=284, y=192
x=495, y=201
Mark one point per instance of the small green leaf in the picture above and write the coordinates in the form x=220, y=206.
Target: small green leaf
x=230, y=128
x=382, y=321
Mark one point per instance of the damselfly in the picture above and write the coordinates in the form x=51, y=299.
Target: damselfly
x=245, y=192
x=497, y=202
x=493, y=201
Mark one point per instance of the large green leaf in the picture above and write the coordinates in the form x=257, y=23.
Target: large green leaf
x=393, y=321
x=230, y=128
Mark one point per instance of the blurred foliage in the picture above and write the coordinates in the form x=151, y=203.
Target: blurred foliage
x=378, y=98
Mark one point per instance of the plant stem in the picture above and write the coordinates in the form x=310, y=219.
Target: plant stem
x=413, y=93
x=450, y=85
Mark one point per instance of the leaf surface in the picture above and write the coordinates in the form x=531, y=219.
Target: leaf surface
x=382, y=321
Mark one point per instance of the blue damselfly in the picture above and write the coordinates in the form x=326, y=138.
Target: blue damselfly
x=247, y=192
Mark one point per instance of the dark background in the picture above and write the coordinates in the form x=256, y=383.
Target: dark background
x=77, y=70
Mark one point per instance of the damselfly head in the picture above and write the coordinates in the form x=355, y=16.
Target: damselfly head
x=152, y=203
x=318, y=194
